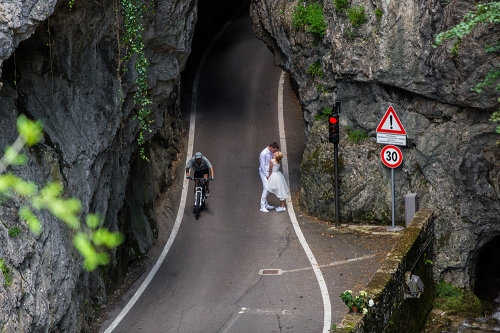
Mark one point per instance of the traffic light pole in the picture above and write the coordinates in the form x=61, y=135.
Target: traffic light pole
x=336, y=109
x=336, y=166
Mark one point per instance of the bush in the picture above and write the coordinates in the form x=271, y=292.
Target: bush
x=357, y=15
x=14, y=232
x=309, y=18
x=341, y=5
x=315, y=69
x=323, y=115
x=356, y=135
x=378, y=13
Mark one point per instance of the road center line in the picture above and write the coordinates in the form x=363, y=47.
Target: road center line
x=327, y=319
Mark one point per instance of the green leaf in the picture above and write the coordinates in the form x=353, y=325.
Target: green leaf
x=33, y=223
x=30, y=131
x=93, y=221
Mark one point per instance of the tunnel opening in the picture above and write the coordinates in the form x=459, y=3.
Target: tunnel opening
x=487, y=277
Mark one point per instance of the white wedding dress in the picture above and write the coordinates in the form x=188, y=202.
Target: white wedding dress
x=276, y=183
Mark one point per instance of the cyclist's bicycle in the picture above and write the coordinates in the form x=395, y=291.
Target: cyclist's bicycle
x=200, y=193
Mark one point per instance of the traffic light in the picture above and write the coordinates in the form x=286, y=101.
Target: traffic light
x=333, y=128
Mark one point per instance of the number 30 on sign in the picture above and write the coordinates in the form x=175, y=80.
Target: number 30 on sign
x=391, y=156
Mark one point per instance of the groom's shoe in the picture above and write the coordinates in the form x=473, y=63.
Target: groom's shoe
x=269, y=207
x=263, y=209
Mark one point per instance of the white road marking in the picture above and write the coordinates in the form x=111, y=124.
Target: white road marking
x=335, y=263
x=182, y=203
x=327, y=319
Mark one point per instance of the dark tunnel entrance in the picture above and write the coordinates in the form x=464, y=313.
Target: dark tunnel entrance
x=487, y=281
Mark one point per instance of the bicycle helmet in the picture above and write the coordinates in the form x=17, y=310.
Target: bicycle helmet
x=198, y=155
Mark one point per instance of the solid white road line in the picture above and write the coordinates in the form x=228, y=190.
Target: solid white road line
x=327, y=319
x=185, y=186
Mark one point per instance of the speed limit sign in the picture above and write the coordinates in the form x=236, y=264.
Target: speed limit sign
x=391, y=156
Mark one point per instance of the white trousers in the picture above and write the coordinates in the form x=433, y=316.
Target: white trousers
x=263, y=198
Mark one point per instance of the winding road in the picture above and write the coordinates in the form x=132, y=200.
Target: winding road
x=235, y=269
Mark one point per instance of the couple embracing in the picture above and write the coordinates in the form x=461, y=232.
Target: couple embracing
x=272, y=179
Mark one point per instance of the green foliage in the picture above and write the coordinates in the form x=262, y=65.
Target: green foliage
x=362, y=302
x=378, y=14
x=14, y=232
x=7, y=273
x=356, y=15
x=323, y=115
x=309, y=18
x=453, y=300
x=133, y=12
x=485, y=14
x=341, y=5
x=315, y=69
x=488, y=13
x=356, y=135
x=87, y=241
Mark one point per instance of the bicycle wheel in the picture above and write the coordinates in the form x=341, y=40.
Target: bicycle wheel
x=198, y=204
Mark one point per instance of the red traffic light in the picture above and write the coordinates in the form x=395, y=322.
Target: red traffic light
x=334, y=119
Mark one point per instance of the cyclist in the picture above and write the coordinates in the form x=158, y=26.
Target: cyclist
x=202, y=169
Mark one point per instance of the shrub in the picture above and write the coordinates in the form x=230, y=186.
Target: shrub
x=310, y=18
x=14, y=232
x=357, y=15
x=341, y=5
x=323, y=115
x=315, y=69
x=378, y=13
x=7, y=273
x=356, y=135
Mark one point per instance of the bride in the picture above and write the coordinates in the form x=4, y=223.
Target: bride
x=276, y=183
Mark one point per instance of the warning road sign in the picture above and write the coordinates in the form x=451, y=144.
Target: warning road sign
x=390, y=130
x=390, y=123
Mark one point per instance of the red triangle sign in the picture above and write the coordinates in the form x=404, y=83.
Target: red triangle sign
x=390, y=123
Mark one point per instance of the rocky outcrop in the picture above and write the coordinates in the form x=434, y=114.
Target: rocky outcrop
x=451, y=161
x=60, y=67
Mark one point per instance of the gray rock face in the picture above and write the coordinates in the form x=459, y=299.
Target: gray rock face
x=451, y=161
x=60, y=67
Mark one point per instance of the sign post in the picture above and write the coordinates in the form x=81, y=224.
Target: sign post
x=392, y=157
x=390, y=131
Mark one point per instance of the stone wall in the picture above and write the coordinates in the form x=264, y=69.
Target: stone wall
x=393, y=312
x=451, y=160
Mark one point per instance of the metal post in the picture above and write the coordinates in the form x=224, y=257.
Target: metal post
x=393, y=228
x=336, y=109
x=336, y=166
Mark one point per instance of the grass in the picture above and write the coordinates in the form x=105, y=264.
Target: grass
x=315, y=69
x=309, y=18
x=378, y=13
x=7, y=273
x=341, y=5
x=357, y=15
x=14, y=232
x=356, y=135
x=323, y=115
x=455, y=300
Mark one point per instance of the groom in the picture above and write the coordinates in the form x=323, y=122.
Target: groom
x=265, y=157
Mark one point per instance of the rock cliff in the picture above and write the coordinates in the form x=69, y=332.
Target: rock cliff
x=59, y=66
x=451, y=160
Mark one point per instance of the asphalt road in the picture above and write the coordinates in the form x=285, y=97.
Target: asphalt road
x=210, y=281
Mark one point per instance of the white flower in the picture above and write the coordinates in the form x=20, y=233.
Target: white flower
x=365, y=310
x=362, y=293
x=370, y=303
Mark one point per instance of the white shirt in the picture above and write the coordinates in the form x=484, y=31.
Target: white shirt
x=265, y=157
